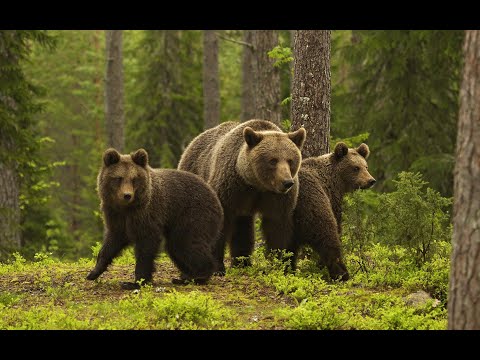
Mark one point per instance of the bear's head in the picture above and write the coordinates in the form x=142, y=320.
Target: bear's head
x=351, y=166
x=271, y=159
x=124, y=180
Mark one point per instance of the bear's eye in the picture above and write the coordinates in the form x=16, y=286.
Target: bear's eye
x=357, y=168
x=119, y=178
x=273, y=161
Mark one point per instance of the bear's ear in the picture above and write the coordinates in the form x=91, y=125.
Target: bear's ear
x=252, y=137
x=341, y=149
x=298, y=137
x=111, y=156
x=140, y=157
x=363, y=150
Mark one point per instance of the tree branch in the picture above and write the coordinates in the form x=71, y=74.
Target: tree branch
x=234, y=41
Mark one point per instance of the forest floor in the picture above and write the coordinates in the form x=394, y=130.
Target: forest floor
x=50, y=294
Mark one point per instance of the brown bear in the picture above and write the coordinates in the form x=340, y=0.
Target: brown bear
x=253, y=168
x=324, y=180
x=141, y=205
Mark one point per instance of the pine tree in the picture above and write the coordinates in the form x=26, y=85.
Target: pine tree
x=18, y=138
x=266, y=77
x=463, y=309
x=168, y=106
x=211, y=82
x=401, y=87
x=114, y=98
x=311, y=89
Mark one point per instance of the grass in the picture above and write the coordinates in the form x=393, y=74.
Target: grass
x=50, y=294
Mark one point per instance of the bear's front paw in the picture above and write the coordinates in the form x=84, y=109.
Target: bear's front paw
x=126, y=285
x=338, y=271
x=93, y=275
x=186, y=281
x=341, y=277
x=220, y=270
x=182, y=281
x=242, y=261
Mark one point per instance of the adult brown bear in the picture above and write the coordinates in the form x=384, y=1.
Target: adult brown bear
x=252, y=166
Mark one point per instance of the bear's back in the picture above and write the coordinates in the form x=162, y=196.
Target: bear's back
x=174, y=191
x=318, y=170
x=218, y=147
x=198, y=153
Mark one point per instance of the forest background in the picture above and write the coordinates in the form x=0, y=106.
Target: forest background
x=398, y=91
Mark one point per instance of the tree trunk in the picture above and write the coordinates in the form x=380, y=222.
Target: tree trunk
x=464, y=292
x=10, y=236
x=312, y=90
x=96, y=39
x=114, y=108
x=266, y=77
x=248, y=89
x=211, y=85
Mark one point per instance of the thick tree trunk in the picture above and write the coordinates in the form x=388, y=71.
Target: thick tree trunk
x=248, y=89
x=464, y=293
x=312, y=90
x=266, y=79
x=114, y=105
x=10, y=235
x=211, y=85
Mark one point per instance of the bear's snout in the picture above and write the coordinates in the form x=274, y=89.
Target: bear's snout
x=287, y=184
x=368, y=184
x=126, y=193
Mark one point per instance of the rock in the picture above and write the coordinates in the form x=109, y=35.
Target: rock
x=419, y=299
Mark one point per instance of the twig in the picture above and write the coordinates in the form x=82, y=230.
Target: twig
x=234, y=41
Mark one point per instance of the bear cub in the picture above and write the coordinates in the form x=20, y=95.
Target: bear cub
x=324, y=180
x=141, y=205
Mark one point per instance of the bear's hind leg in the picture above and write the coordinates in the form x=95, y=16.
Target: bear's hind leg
x=191, y=252
x=146, y=250
x=219, y=247
x=243, y=240
x=278, y=236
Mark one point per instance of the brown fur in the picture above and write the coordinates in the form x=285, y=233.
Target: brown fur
x=141, y=205
x=249, y=166
x=324, y=180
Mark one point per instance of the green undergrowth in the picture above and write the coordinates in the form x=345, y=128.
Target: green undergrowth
x=396, y=248
x=51, y=294
x=376, y=300
x=138, y=310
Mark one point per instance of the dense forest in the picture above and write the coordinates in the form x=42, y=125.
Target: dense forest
x=411, y=95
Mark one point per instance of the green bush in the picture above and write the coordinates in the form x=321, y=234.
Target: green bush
x=411, y=216
x=143, y=309
x=313, y=315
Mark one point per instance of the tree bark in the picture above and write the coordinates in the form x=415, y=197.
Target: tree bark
x=464, y=292
x=10, y=235
x=312, y=90
x=248, y=73
x=211, y=84
x=266, y=77
x=10, y=232
x=114, y=102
